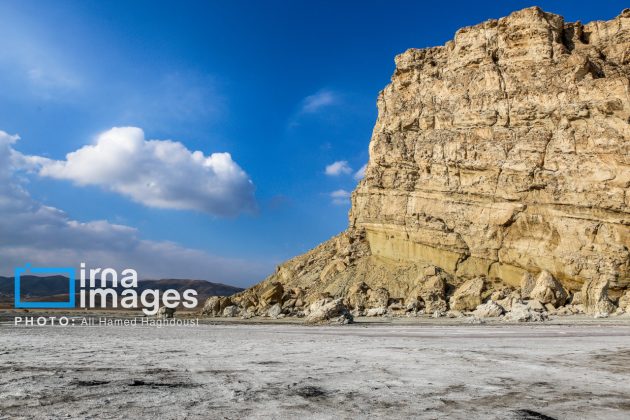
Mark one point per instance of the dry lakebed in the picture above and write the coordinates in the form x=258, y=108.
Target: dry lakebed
x=397, y=369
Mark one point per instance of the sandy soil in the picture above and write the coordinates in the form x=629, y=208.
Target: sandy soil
x=286, y=371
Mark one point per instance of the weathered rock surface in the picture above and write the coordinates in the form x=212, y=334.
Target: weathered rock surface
x=548, y=291
x=432, y=290
x=528, y=282
x=215, y=305
x=500, y=155
x=274, y=311
x=323, y=311
x=489, y=309
x=468, y=296
x=524, y=313
x=595, y=297
x=231, y=311
x=506, y=151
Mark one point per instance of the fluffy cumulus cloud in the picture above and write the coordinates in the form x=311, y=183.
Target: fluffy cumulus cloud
x=358, y=175
x=340, y=197
x=338, y=168
x=33, y=232
x=157, y=173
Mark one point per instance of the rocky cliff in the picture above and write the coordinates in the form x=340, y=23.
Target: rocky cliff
x=499, y=156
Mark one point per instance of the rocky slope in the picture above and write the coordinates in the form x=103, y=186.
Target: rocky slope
x=499, y=165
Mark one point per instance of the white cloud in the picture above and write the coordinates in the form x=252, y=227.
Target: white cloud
x=312, y=105
x=318, y=100
x=358, y=175
x=42, y=235
x=157, y=173
x=340, y=197
x=338, y=168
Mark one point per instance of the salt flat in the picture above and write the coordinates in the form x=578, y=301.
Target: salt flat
x=286, y=371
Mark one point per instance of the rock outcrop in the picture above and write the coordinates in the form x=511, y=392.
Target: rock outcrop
x=499, y=156
x=548, y=290
x=507, y=151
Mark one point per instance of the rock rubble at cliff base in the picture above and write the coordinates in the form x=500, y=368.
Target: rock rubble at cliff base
x=437, y=296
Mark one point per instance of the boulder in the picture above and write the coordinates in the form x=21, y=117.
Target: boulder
x=318, y=304
x=396, y=304
x=501, y=294
x=231, y=311
x=433, y=292
x=323, y=311
x=275, y=311
x=439, y=314
x=289, y=303
x=548, y=291
x=224, y=302
x=467, y=296
x=523, y=313
x=453, y=314
x=564, y=311
x=165, y=312
x=536, y=305
x=414, y=305
x=376, y=311
x=488, y=310
x=595, y=297
x=527, y=285
x=211, y=306
x=508, y=301
x=378, y=298
x=248, y=302
x=357, y=297
x=317, y=297
x=272, y=293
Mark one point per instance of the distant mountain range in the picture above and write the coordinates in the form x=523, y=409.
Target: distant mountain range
x=55, y=288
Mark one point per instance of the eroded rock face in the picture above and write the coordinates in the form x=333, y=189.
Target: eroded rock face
x=506, y=151
x=499, y=156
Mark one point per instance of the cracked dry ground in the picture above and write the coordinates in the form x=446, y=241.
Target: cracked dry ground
x=285, y=371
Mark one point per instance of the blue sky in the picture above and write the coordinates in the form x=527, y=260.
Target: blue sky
x=288, y=89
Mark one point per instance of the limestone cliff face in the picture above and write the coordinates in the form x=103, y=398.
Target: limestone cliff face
x=507, y=150
x=502, y=153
